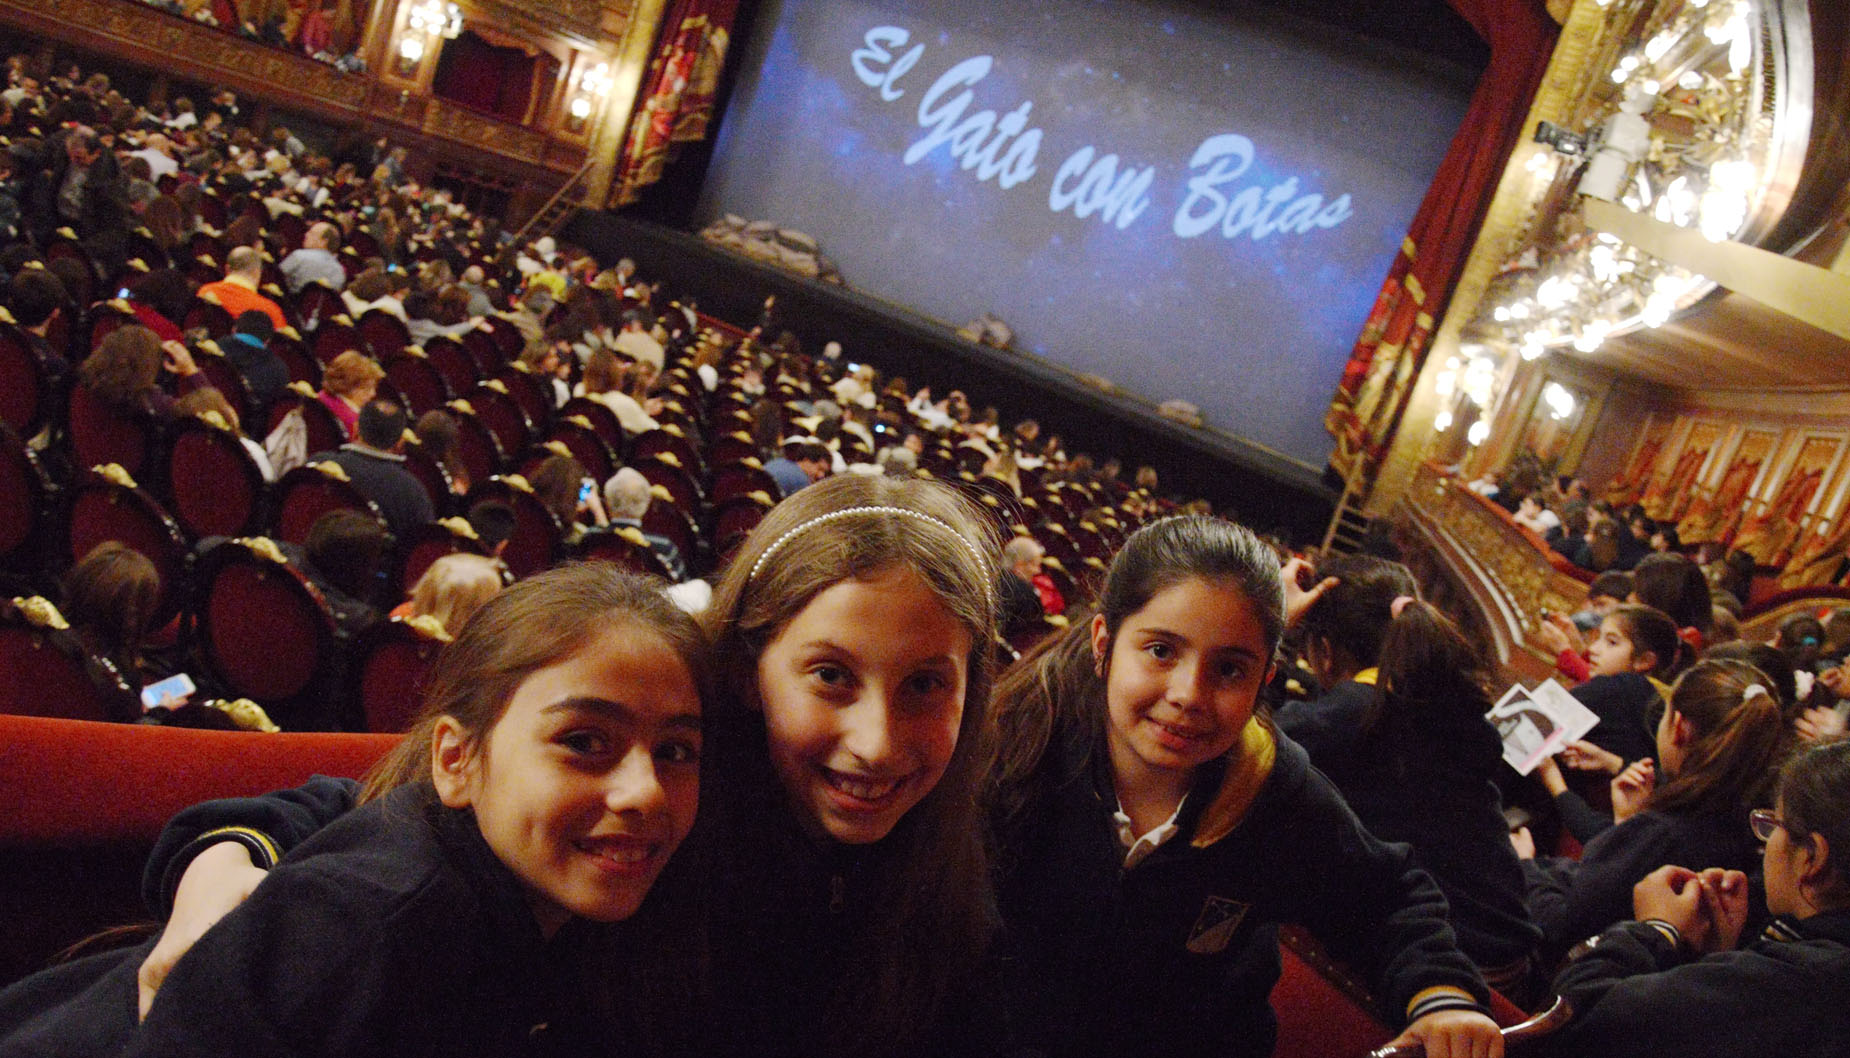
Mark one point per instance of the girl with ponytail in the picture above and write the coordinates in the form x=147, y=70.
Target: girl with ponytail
x=1400, y=729
x=1719, y=743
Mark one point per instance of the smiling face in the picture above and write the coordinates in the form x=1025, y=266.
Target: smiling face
x=1610, y=653
x=1182, y=677
x=589, y=780
x=863, y=696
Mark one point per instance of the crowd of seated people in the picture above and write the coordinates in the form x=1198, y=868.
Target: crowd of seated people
x=511, y=359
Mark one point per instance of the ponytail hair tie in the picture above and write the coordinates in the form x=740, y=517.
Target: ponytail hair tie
x=1754, y=690
x=1399, y=604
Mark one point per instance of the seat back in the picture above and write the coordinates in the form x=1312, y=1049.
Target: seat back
x=106, y=504
x=101, y=433
x=212, y=479
x=48, y=672
x=265, y=632
x=626, y=547
x=539, y=540
x=24, y=490
x=315, y=302
x=386, y=671
x=502, y=414
x=308, y=492
x=419, y=382
x=383, y=334
x=429, y=542
x=23, y=385
x=453, y=362
x=583, y=444
x=477, y=448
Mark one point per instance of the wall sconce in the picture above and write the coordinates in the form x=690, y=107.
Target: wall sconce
x=426, y=21
x=588, y=89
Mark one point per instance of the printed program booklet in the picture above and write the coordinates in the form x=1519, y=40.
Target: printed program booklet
x=1536, y=722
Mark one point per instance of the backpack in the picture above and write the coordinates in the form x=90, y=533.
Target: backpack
x=287, y=445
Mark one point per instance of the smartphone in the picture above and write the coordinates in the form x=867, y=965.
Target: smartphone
x=584, y=492
x=123, y=293
x=175, y=689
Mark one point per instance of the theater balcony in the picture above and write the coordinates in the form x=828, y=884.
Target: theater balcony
x=517, y=94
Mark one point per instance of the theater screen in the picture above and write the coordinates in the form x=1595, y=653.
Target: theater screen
x=1193, y=204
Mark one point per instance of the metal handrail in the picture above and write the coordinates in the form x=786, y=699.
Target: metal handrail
x=521, y=235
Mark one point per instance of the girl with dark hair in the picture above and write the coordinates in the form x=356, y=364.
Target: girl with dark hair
x=1155, y=830
x=1675, y=585
x=553, y=771
x=109, y=599
x=1719, y=742
x=1671, y=983
x=1400, y=730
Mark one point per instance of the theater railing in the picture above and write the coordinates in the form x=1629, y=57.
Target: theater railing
x=1498, y=576
x=141, y=35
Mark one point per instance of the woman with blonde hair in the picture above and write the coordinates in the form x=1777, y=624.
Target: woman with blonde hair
x=454, y=588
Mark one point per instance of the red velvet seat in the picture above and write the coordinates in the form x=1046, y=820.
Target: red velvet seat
x=382, y=334
x=453, y=362
x=418, y=381
x=24, y=387
x=308, y=492
x=625, y=547
x=502, y=414
x=24, y=504
x=740, y=478
x=477, y=448
x=666, y=470
x=484, y=349
x=532, y=392
x=585, y=445
x=734, y=447
x=266, y=633
x=601, y=418
x=209, y=315
x=48, y=673
x=539, y=540
x=507, y=337
x=432, y=475
x=334, y=336
x=430, y=542
x=107, y=505
x=215, y=485
x=297, y=356
x=740, y=514
x=64, y=244
x=316, y=302
x=102, y=433
x=666, y=519
x=386, y=668
x=221, y=374
x=667, y=440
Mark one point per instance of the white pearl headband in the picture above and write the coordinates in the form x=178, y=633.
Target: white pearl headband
x=847, y=512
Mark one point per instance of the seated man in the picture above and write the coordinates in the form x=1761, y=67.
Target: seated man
x=626, y=495
x=248, y=349
x=237, y=292
x=315, y=261
x=810, y=461
x=1021, y=603
x=376, y=466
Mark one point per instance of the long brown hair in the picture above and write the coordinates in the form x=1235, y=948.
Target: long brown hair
x=1057, y=688
x=1738, y=740
x=539, y=621
x=124, y=366
x=936, y=911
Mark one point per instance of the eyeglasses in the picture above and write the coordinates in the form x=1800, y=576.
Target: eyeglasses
x=1764, y=823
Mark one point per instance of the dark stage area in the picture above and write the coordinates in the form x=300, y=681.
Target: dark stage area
x=1258, y=487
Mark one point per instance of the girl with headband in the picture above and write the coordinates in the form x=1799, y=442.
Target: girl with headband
x=1400, y=729
x=834, y=896
x=1719, y=744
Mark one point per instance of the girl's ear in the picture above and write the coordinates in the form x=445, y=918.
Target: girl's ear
x=1101, y=643
x=454, y=762
x=1814, y=860
x=1644, y=661
x=1682, y=733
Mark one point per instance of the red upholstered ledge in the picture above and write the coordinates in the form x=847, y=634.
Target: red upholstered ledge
x=81, y=804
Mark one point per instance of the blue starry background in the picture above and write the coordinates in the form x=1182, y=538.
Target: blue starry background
x=1255, y=333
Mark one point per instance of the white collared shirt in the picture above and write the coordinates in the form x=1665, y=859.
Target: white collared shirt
x=1139, y=846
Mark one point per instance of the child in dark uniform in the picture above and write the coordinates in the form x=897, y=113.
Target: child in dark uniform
x=555, y=769
x=1154, y=831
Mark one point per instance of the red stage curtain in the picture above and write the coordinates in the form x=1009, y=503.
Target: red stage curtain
x=677, y=94
x=485, y=76
x=1387, y=357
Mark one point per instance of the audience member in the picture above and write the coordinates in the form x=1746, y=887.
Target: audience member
x=626, y=499
x=315, y=261
x=264, y=373
x=237, y=292
x=349, y=384
x=375, y=463
x=452, y=589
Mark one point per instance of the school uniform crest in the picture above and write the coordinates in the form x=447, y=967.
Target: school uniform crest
x=1215, y=926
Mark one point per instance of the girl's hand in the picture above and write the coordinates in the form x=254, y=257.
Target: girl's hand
x=1454, y=1034
x=217, y=880
x=1672, y=894
x=1818, y=723
x=1523, y=842
x=1585, y=756
x=1632, y=788
x=179, y=359
x=1297, y=600
x=1552, y=639
x=1570, y=632
x=1724, y=899
x=1550, y=774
